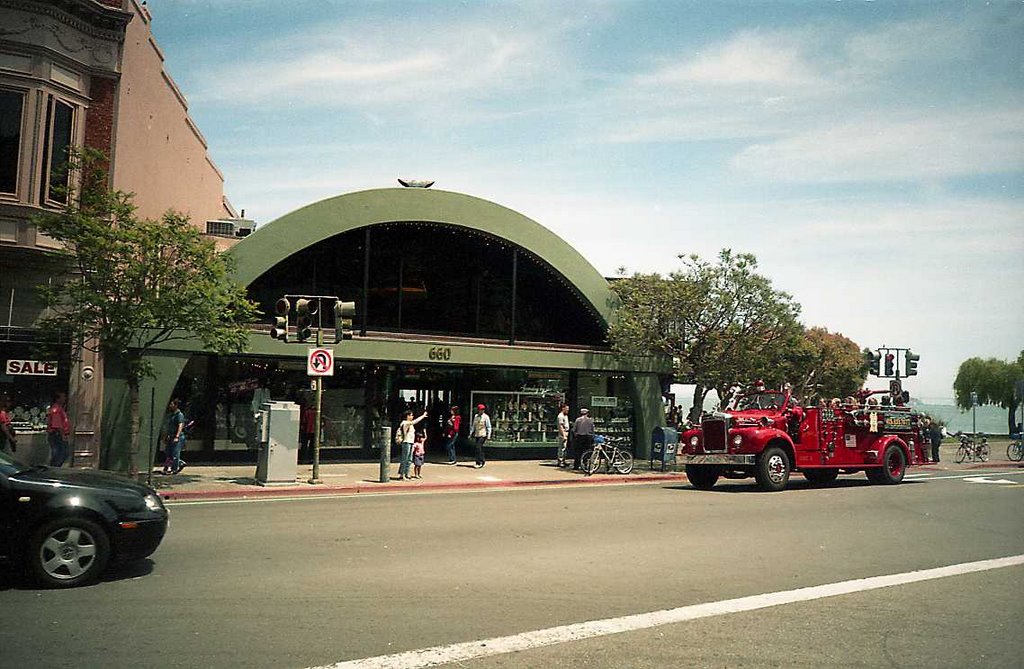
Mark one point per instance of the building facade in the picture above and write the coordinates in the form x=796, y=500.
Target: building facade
x=83, y=73
x=459, y=302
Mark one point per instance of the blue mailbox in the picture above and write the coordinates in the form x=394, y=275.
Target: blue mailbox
x=664, y=445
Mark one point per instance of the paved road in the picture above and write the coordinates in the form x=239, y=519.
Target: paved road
x=311, y=582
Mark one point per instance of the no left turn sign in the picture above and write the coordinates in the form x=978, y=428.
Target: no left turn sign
x=320, y=362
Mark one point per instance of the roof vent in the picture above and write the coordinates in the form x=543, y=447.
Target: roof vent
x=415, y=183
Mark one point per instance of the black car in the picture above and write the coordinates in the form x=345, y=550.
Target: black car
x=67, y=525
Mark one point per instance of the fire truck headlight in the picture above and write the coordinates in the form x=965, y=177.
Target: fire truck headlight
x=737, y=440
x=694, y=440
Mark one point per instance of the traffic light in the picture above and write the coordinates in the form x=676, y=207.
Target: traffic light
x=280, y=329
x=911, y=366
x=343, y=313
x=871, y=359
x=890, y=364
x=305, y=310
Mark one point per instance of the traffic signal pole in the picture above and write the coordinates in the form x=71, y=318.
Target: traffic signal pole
x=306, y=307
x=316, y=480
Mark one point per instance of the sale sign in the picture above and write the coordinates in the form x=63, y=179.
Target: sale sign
x=31, y=368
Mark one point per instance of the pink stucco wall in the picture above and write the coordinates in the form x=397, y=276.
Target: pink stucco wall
x=159, y=154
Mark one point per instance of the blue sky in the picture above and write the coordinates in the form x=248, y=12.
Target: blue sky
x=871, y=155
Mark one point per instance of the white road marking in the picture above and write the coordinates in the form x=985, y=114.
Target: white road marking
x=985, y=479
x=460, y=652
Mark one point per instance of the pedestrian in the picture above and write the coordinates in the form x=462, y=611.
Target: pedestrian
x=451, y=433
x=583, y=436
x=935, y=431
x=406, y=436
x=7, y=439
x=58, y=429
x=174, y=432
x=563, y=433
x=481, y=433
x=419, y=452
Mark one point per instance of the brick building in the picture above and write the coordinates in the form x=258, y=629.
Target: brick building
x=84, y=72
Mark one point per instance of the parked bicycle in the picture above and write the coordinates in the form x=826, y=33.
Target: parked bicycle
x=972, y=447
x=1015, y=451
x=611, y=454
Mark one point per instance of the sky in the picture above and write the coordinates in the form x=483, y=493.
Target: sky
x=869, y=154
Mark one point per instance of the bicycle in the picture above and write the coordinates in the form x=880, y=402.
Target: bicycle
x=608, y=453
x=1015, y=451
x=972, y=450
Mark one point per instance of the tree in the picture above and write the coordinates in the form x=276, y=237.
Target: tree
x=133, y=284
x=826, y=364
x=993, y=380
x=721, y=322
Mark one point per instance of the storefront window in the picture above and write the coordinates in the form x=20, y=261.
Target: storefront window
x=607, y=397
x=524, y=414
x=31, y=376
x=223, y=395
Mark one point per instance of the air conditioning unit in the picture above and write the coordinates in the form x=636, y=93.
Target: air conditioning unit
x=230, y=227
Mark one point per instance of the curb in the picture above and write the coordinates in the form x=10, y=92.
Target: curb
x=371, y=488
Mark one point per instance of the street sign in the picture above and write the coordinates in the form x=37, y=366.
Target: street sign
x=320, y=362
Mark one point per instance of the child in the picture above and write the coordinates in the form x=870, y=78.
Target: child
x=419, y=450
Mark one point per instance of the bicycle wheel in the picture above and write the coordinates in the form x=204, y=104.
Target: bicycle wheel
x=599, y=461
x=961, y=453
x=585, y=461
x=623, y=462
x=982, y=452
x=1015, y=451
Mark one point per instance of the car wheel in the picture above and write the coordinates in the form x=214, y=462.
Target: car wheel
x=702, y=477
x=66, y=552
x=772, y=469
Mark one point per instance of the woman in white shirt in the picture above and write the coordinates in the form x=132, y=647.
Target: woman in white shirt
x=407, y=431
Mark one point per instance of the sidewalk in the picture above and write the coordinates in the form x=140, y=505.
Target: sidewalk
x=209, y=482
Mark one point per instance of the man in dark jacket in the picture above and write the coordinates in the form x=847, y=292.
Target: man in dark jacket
x=583, y=436
x=935, y=436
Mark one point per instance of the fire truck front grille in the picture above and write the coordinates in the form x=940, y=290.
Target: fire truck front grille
x=716, y=432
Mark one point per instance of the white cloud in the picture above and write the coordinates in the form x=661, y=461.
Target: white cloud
x=373, y=64
x=750, y=58
x=887, y=148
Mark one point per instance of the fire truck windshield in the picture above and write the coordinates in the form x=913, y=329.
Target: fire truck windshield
x=763, y=401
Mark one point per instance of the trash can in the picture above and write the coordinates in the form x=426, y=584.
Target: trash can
x=664, y=445
x=278, y=431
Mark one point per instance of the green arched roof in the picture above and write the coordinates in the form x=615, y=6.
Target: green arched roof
x=316, y=222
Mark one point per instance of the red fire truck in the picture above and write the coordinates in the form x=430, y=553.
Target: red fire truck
x=768, y=435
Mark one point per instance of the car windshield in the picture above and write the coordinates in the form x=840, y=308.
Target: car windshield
x=765, y=401
x=9, y=464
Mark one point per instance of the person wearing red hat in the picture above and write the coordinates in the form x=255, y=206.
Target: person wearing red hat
x=481, y=433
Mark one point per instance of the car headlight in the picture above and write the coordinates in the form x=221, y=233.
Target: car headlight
x=153, y=502
x=737, y=440
x=694, y=440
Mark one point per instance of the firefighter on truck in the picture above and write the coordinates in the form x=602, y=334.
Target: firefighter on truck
x=768, y=435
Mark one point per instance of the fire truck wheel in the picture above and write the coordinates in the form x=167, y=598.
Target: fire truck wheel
x=701, y=476
x=772, y=469
x=894, y=465
x=820, y=476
